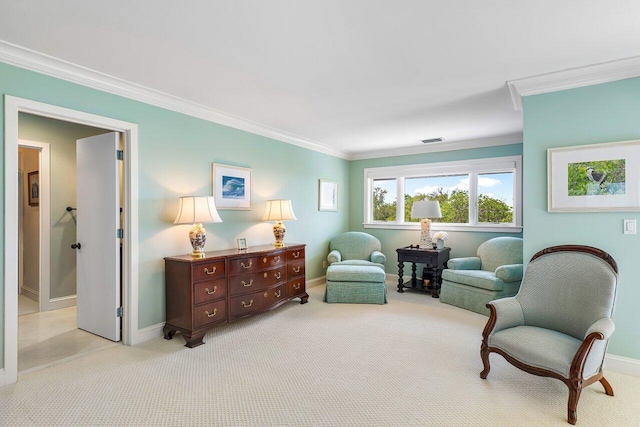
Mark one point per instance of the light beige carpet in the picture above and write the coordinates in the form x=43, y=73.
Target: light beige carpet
x=412, y=362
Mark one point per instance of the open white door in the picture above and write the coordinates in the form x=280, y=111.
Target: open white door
x=98, y=244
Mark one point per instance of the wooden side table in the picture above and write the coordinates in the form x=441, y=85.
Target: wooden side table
x=434, y=259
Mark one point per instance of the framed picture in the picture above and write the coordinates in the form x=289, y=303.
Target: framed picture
x=242, y=243
x=231, y=187
x=327, y=195
x=594, y=178
x=33, y=183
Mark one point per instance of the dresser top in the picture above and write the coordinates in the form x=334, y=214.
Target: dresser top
x=240, y=252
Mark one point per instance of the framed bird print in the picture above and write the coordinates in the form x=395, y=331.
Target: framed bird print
x=594, y=178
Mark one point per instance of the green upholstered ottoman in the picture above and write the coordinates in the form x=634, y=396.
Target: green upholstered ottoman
x=356, y=284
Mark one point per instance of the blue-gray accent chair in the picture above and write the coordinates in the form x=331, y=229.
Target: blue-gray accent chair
x=496, y=272
x=560, y=322
x=356, y=270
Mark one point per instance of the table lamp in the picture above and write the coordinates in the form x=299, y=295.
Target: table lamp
x=278, y=211
x=196, y=211
x=424, y=210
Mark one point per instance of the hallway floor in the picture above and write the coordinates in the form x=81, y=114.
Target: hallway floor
x=51, y=337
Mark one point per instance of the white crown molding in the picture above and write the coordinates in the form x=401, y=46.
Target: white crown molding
x=604, y=72
x=435, y=147
x=35, y=61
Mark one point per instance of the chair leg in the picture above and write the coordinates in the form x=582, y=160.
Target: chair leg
x=574, y=395
x=484, y=354
x=607, y=387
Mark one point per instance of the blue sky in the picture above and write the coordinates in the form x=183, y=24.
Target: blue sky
x=496, y=185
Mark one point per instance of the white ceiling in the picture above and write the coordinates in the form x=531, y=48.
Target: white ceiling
x=354, y=76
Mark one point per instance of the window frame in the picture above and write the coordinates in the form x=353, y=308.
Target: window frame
x=472, y=168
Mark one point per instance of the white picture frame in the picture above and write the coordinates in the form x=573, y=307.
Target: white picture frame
x=242, y=244
x=231, y=187
x=327, y=196
x=594, y=178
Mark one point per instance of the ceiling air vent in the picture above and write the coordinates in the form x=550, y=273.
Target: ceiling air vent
x=427, y=141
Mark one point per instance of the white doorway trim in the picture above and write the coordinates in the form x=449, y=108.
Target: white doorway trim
x=12, y=107
x=45, y=219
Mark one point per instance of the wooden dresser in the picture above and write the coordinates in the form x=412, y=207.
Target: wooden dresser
x=230, y=284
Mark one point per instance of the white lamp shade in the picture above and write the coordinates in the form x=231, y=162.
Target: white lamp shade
x=426, y=209
x=278, y=210
x=196, y=210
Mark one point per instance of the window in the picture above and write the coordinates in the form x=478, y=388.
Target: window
x=480, y=195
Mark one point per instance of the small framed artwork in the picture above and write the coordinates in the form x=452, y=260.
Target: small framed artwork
x=242, y=243
x=594, y=178
x=327, y=195
x=33, y=183
x=231, y=187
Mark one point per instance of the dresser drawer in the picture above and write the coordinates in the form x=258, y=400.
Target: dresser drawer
x=275, y=295
x=243, y=283
x=295, y=286
x=209, y=313
x=244, y=265
x=207, y=270
x=246, y=304
x=209, y=290
x=295, y=268
x=295, y=254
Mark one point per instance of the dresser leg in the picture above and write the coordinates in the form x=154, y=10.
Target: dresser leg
x=193, y=340
x=168, y=332
x=304, y=298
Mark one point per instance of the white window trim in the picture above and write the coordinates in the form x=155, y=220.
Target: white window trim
x=471, y=167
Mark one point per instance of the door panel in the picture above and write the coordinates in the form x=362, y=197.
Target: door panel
x=98, y=218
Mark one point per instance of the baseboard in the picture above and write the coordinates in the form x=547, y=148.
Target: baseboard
x=622, y=365
x=62, y=302
x=30, y=293
x=316, y=282
x=2, y=377
x=148, y=333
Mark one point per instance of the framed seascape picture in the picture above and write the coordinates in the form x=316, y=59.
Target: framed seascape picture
x=231, y=187
x=34, y=188
x=327, y=195
x=594, y=178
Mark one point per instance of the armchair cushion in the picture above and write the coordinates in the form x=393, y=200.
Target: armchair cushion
x=355, y=273
x=475, y=278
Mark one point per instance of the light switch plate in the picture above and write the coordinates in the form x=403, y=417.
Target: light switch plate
x=629, y=226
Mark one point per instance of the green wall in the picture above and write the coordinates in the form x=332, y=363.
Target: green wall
x=461, y=243
x=595, y=114
x=175, y=155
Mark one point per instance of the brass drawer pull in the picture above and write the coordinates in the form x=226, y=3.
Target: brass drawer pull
x=296, y=255
x=245, y=305
x=215, y=310
x=264, y=260
x=278, y=275
x=246, y=266
x=296, y=286
x=296, y=269
x=215, y=288
x=245, y=284
x=276, y=258
x=206, y=270
x=278, y=294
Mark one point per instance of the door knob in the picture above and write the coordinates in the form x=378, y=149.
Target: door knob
x=76, y=246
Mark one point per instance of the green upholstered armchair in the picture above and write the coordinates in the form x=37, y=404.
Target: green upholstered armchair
x=560, y=322
x=356, y=248
x=356, y=270
x=496, y=272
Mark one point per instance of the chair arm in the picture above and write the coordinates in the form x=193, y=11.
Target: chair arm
x=378, y=257
x=509, y=272
x=508, y=313
x=604, y=326
x=467, y=263
x=334, y=256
